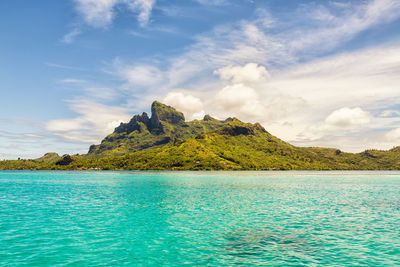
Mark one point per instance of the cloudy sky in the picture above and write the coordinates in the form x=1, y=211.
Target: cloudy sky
x=314, y=73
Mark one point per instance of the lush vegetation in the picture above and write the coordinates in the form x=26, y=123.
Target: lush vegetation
x=166, y=142
x=166, y=126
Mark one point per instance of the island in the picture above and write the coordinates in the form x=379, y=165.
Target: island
x=165, y=141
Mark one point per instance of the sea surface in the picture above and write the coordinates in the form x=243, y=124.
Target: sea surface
x=199, y=218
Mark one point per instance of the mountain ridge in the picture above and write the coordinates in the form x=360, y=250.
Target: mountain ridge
x=165, y=126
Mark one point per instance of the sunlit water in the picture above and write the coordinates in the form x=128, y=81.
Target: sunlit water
x=199, y=218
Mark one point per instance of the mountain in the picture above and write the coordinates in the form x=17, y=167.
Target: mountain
x=165, y=141
x=243, y=146
x=165, y=126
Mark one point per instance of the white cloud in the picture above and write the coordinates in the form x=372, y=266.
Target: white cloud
x=147, y=76
x=94, y=122
x=97, y=13
x=100, y=13
x=334, y=27
x=368, y=79
x=70, y=37
x=348, y=118
x=364, y=78
x=341, y=122
x=252, y=41
x=300, y=38
x=239, y=100
x=249, y=73
x=101, y=93
x=72, y=81
x=144, y=8
x=212, y=2
x=191, y=106
x=236, y=96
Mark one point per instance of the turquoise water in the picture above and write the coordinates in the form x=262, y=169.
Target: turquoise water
x=199, y=218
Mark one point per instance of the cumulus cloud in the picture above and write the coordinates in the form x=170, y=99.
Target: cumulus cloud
x=236, y=96
x=239, y=100
x=93, y=123
x=341, y=122
x=191, y=106
x=249, y=96
x=249, y=73
x=100, y=13
x=367, y=79
x=348, y=118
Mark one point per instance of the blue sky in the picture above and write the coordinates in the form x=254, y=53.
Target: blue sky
x=314, y=73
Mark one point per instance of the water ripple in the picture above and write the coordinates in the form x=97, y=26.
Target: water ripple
x=199, y=219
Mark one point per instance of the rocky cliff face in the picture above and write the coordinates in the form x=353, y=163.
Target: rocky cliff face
x=163, y=113
x=133, y=124
x=160, y=114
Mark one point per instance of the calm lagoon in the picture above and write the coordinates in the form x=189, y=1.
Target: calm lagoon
x=199, y=218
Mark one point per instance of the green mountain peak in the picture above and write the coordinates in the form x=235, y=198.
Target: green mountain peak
x=163, y=113
x=165, y=126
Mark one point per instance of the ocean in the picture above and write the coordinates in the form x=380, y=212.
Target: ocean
x=303, y=218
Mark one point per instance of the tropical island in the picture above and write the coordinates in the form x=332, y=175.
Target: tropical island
x=165, y=141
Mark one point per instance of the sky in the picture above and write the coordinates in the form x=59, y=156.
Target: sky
x=313, y=73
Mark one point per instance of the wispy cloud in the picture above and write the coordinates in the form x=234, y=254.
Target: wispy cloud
x=149, y=32
x=96, y=13
x=143, y=7
x=100, y=13
x=283, y=45
x=212, y=2
x=335, y=25
x=72, y=81
x=61, y=66
x=141, y=76
x=70, y=37
x=94, y=121
x=18, y=136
